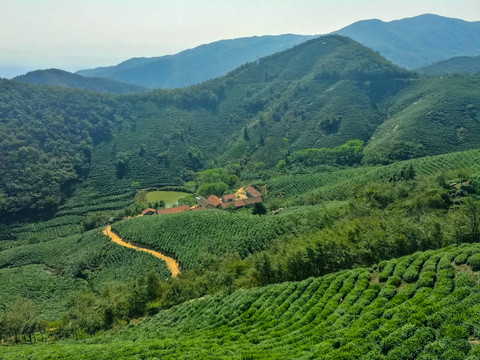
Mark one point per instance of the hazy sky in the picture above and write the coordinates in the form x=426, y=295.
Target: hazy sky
x=77, y=34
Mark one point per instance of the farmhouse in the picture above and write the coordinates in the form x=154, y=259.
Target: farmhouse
x=252, y=192
x=228, y=198
x=214, y=201
x=242, y=198
x=149, y=211
x=233, y=204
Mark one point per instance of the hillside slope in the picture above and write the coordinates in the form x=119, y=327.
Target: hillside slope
x=417, y=41
x=424, y=306
x=62, y=78
x=321, y=93
x=196, y=65
x=455, y=65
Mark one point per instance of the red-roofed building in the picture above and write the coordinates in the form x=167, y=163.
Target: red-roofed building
x=252, y=192
x=233, y=205
x=173, y=210
x=228, y=198
x=214, y=200
x=225, y=205
x=149, y=211
x=239, y=204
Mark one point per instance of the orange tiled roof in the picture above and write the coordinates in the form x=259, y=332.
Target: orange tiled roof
x=214, y=200
x=252, y=191
x=148, y=210
x=239, y=203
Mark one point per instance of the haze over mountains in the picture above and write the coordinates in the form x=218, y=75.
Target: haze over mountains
x=455, y=65
x=411, y=43
x=196, y=65
x=62, y=78
x=418, y=41
x=365, y=243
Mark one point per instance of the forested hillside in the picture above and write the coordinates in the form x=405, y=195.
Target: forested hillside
x=364, y=244
x=321, y=93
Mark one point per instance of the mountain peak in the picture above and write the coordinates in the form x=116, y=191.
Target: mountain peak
x=417, y=41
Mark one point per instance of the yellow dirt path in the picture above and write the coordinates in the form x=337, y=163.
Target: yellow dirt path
x=172, y=264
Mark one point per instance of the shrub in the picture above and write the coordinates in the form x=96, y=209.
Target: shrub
x=474, y=262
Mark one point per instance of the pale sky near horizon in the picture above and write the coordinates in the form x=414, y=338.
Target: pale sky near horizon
x=79, y=34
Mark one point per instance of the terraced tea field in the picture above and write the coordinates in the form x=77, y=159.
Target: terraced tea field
x=423, y=306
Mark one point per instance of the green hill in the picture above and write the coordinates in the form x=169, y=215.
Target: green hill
x=423, y=306
x=321, y=93
x=196, y=65
x=322, y=223
x=417, y=41
x=455, y=65
x=62, y=78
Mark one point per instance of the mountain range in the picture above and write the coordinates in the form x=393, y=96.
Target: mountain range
x=418, y=41
x=196, y=65
x=410, y=43
x=455, y=65
x=362, y=244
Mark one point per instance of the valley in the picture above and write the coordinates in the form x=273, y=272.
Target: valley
x=339, y=197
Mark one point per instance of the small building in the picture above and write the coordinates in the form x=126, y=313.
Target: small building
x=252, y=192
x=233, y=204
x=149, y=211
x=214, y=201
x=228, y=198
x=239, y=204
x=173, y=210
x=241, y=194
x=202, y=202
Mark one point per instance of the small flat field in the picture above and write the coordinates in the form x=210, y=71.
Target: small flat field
x=170, y=197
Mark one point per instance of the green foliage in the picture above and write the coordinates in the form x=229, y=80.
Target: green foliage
x=193, y=237
x=343, y=314
x=474, y=262
x=46, y=272
x=259, y=209
x=217, y=188
x=347, y=154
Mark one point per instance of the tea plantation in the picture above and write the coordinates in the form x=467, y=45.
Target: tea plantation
x=422, y=306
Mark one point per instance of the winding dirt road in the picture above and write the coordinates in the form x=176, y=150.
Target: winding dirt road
x=172, y=264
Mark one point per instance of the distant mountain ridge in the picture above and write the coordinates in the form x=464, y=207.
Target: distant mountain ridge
x=56, y=77
x=418, y=41
x=411, y=43
x=196, y=65
x=455, y=65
